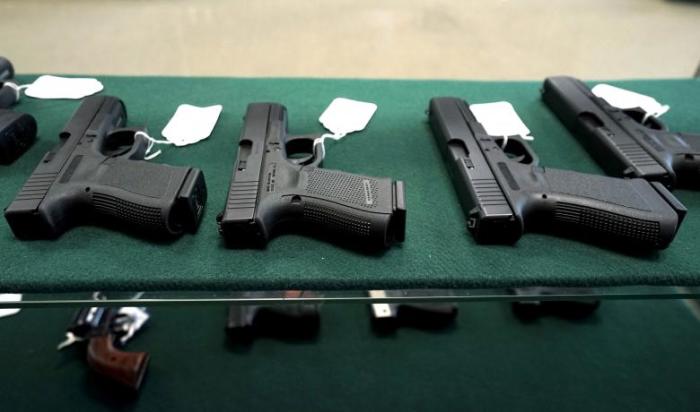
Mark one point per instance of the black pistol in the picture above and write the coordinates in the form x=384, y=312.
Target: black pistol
x=388, y=317
x=286, y=321
x=17, y=130
x=272, y=188
x=504, y=192
x=626, y=143
x=97, y=173
x=577, y=307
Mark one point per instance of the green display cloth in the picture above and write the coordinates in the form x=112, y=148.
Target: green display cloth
x=639, y=356
x=438, y=251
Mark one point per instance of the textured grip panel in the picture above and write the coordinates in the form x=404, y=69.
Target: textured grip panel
x=363, y=210
x=608, y=223
x=145, y=217
x=345, y=187
x=337, y=221
x=610, y=190
x=628, y=213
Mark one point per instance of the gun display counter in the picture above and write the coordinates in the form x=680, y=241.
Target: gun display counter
x=437, y=254
x=265, y=352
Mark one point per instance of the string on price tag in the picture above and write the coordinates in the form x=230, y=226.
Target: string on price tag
x=190, y=124
x=344, y=116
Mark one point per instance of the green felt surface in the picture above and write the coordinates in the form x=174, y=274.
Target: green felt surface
x=438, y=251
x=632, y=355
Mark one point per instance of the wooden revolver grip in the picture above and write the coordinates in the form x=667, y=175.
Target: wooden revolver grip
x=127, y=368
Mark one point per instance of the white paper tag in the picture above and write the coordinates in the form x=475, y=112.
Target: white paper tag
x=500, y=119
x=626, y=99
x=54, y=87
x=345, y=116
x=190, y=124
x=9, y=297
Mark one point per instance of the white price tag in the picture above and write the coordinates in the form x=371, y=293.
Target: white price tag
x=54, y=87
x=9, y=297
x=345, y=116
x=626, y=99
x=500, y=119
x=191, y=124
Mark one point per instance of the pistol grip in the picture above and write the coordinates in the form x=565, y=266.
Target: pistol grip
x=359, y=208
x=633, y=213
x=162, y=199
x=126, y=368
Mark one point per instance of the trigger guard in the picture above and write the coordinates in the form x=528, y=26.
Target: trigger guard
x=295, y=145
x=526, y=154
x=123, y=143
x=638, y=114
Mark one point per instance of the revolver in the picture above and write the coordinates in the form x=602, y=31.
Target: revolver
x=278, y=184
x=102, y=328
x=626, y=143
x=504, y=192
x=17, y=130
x=97, y=174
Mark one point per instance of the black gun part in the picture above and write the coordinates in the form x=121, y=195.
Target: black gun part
x=504, y=192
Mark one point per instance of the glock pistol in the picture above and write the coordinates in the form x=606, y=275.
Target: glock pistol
x=387, y=317
x=17, y=130
x=273, y=189
x=626, y=143
x=102, y=328
x=504, y=192
x=288, y=321
x=573, y=308
x=97, y=173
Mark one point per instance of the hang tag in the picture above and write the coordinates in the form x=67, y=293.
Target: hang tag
x=190, y=124
x=54, y=87
x=500, y=119
x=9, y=297
x=626, y=99
x=345, y=116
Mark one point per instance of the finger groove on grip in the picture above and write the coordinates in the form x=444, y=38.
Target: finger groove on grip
x=607, y=223
x=337, y=221
x=137, y=215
